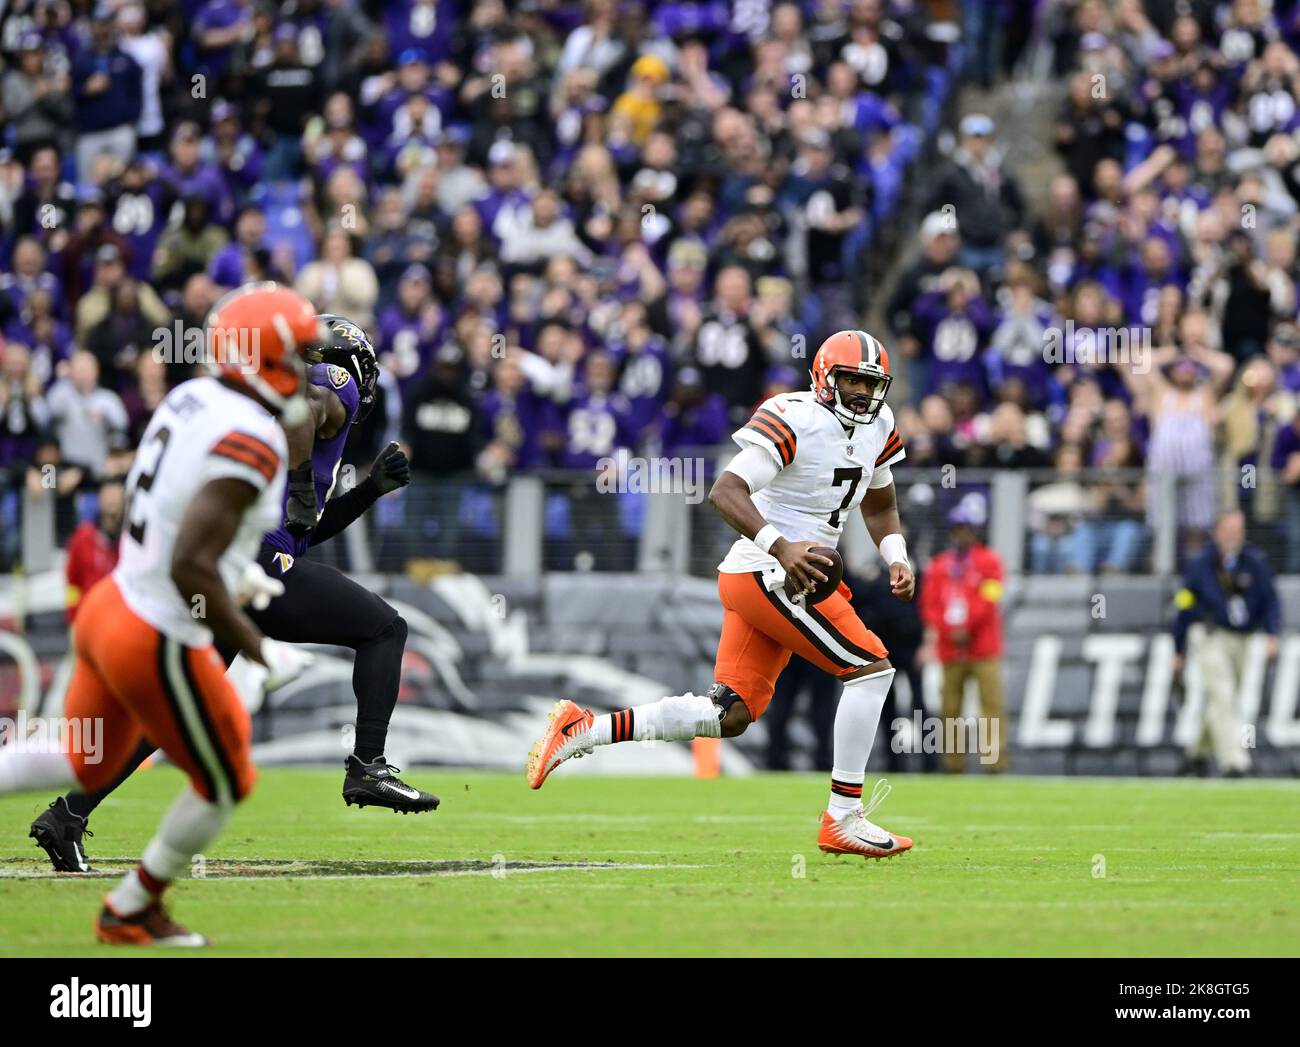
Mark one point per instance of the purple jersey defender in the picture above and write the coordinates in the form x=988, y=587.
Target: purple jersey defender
x=325, y=454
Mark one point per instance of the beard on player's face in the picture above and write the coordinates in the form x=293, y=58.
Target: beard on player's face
x=856, y=393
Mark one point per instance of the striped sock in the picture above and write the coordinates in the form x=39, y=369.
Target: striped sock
x=856, y=719
x=136, y=890
x=846, y=792
x=616, y=727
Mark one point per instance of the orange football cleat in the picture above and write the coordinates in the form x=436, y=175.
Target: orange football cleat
x=567, y=735
x=150, y=926
x=853, y=834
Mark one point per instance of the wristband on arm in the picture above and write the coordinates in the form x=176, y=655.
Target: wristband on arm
x=893, y=547
x=766, y=538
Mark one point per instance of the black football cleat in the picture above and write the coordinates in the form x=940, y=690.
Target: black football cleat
x=375, y=784
x=58, y=832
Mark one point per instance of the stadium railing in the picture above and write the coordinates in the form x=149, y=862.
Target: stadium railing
x=1041, y=522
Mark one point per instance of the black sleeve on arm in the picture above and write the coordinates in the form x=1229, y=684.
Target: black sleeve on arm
x=341, y=511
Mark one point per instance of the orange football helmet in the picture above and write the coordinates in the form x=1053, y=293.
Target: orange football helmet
x=258, y=335
x=858, y=352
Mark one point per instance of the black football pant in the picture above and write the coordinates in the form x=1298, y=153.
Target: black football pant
x=319, y=605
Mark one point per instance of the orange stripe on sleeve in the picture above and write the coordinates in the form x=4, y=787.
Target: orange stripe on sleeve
x=251, y=444
x=891, y=448
x=782, y=442
x=782, y=426
x=248, y=448
x=256, y=462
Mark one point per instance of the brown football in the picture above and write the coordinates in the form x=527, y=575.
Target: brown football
x=834, y=574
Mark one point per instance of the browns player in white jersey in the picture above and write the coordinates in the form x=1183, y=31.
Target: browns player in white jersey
x=807, y=461
x=208, y=480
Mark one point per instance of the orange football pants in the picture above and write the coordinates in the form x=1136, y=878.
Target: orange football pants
x=761, y=629
x=144, y=684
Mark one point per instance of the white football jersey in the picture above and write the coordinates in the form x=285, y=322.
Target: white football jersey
x=202, y=431
x=826, y=470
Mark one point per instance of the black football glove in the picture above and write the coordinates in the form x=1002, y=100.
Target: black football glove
x=300, y=513
x=391, y=470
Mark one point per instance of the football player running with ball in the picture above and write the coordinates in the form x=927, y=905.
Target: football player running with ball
x=807, y=461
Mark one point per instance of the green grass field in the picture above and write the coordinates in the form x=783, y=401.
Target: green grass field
x=720, y=868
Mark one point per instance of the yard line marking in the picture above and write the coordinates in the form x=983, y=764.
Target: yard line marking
x=330, y=869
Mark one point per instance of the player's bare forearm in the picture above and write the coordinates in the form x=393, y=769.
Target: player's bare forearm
x=880, y=511
x=730, y=496
x=206, y=531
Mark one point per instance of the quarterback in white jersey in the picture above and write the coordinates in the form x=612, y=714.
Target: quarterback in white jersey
x=830, y=469
x=207, y=481
x=807, y=461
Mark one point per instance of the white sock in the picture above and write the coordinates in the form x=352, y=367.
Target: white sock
x=856, y=719
x=21, y=771
x=673, y=719
x=191, y=823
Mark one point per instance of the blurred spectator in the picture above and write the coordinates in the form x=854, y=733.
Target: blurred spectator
x=1056, y=513
x=285, y=95
x=440, y=420
x=939, y=245
x=98, y=302
x=146, y=393
x=727, y=350
x=1180, y=396
x=247, y=257
x=81, y=255
x=984, y=195
x=24, y=413
x=87, y=419
x=190, y=246
x=118, y=339
x=693, y=417
x=151, y=50
x=1286, y=463
x=1229, y=589
x=92, y=549
x=1110, y=536
x=340, y=283
x=960, y=607
x=37, y=105
x=953, y=323
x=108, y=95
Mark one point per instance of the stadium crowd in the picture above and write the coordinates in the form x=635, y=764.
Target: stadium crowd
x=575, y=227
